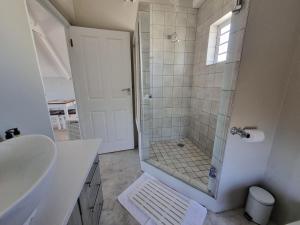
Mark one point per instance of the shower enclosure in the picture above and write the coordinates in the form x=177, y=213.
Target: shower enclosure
x=185, y=99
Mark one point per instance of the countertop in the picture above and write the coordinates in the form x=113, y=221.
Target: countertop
x=295, y=223
x=74, y=161
x=61, y=101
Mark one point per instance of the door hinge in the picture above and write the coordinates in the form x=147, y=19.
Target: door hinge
x=71, y=42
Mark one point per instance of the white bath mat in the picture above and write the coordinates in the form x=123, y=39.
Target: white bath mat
x=151, y=202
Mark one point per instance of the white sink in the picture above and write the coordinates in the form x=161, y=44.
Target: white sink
x=26, y=165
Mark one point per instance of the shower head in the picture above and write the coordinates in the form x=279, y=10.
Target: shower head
x=173, y=37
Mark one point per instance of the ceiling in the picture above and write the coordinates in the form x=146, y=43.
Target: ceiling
x=102, y=14
x=106, y=14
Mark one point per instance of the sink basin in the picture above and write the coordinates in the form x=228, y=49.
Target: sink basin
x=26, y=166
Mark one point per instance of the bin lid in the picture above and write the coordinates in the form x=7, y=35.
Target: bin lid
x=261, y=195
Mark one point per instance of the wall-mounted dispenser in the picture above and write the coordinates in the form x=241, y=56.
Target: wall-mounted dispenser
x=249, y=134
x=11, y=133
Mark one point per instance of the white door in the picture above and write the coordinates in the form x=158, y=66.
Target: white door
x=101, y=69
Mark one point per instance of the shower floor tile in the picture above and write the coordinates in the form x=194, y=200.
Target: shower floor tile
x=187, y=162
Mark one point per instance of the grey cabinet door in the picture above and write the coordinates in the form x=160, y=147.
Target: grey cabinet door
x=75, y=218
x=89, y=205
x=91, y=198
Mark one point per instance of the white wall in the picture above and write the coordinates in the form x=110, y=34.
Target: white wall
x=262, y=81
x=282, y=176
x=22, y=100
x=66, y=7
x=58, y=88
x=105, y=14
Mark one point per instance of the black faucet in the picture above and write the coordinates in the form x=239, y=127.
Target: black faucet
x=11, y=133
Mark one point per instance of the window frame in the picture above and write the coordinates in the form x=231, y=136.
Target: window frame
x=218, y=39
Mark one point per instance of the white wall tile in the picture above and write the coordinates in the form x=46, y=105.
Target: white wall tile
x=158, y=18
x=167, y=92
x=169, y=46
x=168, y=70
x=157, y=31
x=168, y=81
x=181, y=19
x=180, y=46
x=157, y=45
x=230, y=75
x=178, y=81
x=157, y=57
x=178, y=69
x=189, y=46
x=190, y=34
x=181, y=33
x=157, y=69
x=170, y=18
x=179, y=58
x=191, y=20
x=168, y=58
x=157, y=81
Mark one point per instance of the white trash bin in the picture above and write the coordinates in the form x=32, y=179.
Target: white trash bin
x=259, y=205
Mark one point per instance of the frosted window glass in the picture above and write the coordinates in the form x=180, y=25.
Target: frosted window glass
x=225, y=29
x=224, y=38
x=222, y=57
x=223, y=48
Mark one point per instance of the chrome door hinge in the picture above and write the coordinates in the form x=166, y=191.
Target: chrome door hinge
x=71, y=43
x=238, y=6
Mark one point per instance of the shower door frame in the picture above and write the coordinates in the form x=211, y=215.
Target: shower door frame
x=173, y=182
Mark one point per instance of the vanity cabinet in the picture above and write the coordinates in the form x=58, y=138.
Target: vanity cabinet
x=75, y=218
x=87, y=211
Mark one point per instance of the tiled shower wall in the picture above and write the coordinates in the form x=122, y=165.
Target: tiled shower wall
x=214, y=85
x=207, y=79
x=171, y=69
x=189, y=98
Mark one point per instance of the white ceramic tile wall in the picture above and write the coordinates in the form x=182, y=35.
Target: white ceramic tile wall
x=189, y=99
x=171, y=69
x=214, y=85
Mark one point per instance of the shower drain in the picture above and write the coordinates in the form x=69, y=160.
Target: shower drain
x=180, y=145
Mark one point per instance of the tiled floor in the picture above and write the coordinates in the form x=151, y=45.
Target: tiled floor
x=118, y=171
x=187, y=162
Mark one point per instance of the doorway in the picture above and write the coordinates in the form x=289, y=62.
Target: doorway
x=50, y=40
x=98, y=92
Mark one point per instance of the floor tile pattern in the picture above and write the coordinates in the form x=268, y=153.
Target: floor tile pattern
x=186, y=162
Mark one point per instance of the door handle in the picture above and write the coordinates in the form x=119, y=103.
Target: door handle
x=127, y=90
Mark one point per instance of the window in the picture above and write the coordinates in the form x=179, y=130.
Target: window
x=222, y=42
x=218, y=40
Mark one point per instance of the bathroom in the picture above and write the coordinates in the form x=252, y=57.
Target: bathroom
x=198, y=79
